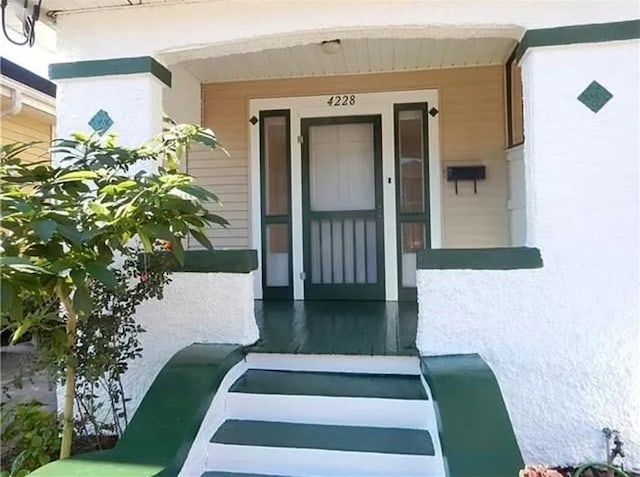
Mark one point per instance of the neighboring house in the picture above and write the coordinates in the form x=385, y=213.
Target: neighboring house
x=28, y=109
x=379, y=151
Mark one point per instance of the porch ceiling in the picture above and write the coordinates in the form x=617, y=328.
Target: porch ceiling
x=353, y=57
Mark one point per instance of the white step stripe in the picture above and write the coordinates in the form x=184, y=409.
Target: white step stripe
x=335, y=363
x=351, y=411
x=296, y=462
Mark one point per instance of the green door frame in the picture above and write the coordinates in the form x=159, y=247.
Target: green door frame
x=273, y=292
x=343, y=291
x=424, y=217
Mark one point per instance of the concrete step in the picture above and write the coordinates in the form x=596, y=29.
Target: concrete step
x=356, y=399
x=299, y=449
x=334, y=363
x=304, y=383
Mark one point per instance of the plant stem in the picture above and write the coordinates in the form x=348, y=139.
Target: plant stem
x=70, y=384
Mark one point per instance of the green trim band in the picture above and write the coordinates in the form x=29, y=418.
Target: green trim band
x=473, y=423
x=513, y=258
x=109, y=67
x=568, y=35
x=161, y=432
x=212, y=261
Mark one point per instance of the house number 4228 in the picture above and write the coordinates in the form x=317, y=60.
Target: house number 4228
x=342, y=100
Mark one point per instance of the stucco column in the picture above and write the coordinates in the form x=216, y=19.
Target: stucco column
x=583, y=212
x=127, y=92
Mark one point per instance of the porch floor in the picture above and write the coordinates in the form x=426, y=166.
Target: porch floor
x=336, y=327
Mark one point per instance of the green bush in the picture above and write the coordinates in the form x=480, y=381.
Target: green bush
x=30, y=437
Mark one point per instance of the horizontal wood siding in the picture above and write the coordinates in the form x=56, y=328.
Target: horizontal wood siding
x=517, y=125
x=20, y=128
x=472, y=131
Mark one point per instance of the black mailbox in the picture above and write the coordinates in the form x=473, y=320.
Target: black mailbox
x=466, y=173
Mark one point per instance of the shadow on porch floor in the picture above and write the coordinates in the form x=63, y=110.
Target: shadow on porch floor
x=336, y=327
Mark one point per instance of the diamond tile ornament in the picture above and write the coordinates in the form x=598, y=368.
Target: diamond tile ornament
x=101, y=122
x=433, y=112
x=595, y=96
x=253, y=120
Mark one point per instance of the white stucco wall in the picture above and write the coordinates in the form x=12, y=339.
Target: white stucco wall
x=134, y=103
x=564, y=340
x=516, y=199
x=182, y=102
x=207, y=29
x=197, y=308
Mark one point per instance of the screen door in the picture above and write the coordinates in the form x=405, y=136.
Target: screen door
x=342, y=209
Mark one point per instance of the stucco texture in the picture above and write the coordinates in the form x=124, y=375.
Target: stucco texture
x=564, y=340
x=197, y=308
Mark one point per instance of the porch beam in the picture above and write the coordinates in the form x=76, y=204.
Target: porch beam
x=111, y=67
x=575, y=34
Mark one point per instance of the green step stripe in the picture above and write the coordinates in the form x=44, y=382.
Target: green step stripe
x=315, y=436
x=235, y=474
x=475, y=431
x=385, y=386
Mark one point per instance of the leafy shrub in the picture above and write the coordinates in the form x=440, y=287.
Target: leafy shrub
x=108, y=340
x=30, y=437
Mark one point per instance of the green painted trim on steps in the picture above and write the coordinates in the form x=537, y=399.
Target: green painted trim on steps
x=159, y=436
x=216, y=473
x=475, y=430
x=110, y=67
x=508, y=258
x=574, y=34
x=305, y=383
x=383, y=440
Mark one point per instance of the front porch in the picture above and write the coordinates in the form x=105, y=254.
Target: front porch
x=539, y=326
x=337, y=327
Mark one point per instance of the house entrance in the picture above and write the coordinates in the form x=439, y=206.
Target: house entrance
x=344, y=195
x=342, y=210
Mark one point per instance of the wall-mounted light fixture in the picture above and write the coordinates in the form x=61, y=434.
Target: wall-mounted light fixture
x=28, y=14
x=330, y=47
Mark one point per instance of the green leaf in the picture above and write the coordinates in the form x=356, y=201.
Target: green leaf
x=102, y=273
x=146, y=242
x=76, y=176
x=21, y=264
x=178, y=250
x=71, y=233
x=80, y=136
x=206, y=137
x=201, y=238
x=78, y=277
x=20, y=331
x=158, y=231
x=216, y=219
x=7, y=295
x=82, y=303
x=114, y=189
x=199, y=192
x=45, y=228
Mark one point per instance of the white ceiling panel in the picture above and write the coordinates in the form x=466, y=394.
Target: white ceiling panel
x=373, y=55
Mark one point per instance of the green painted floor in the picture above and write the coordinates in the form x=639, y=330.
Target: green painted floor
x=337, y=327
